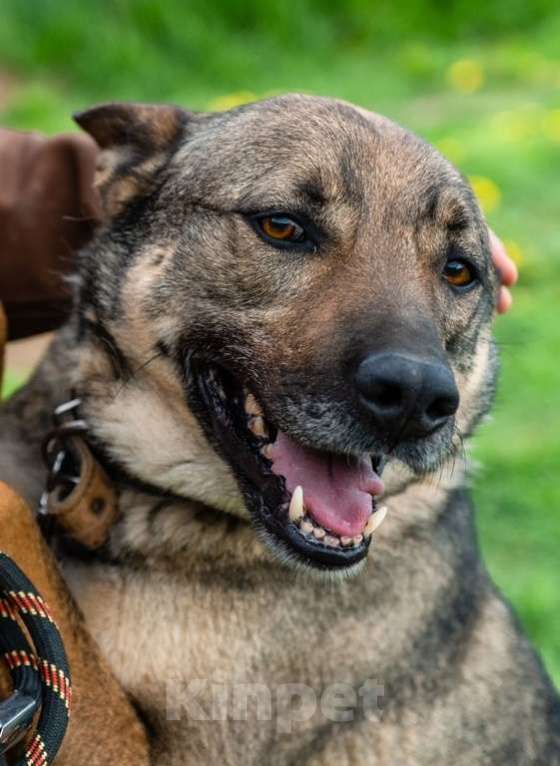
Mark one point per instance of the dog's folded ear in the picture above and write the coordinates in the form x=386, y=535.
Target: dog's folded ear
x=136, y=141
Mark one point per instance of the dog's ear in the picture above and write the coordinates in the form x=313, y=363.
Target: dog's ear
x=136, y=141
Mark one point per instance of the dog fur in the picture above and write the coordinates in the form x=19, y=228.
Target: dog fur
x=187, y=593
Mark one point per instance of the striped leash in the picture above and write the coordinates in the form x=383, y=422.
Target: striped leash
x=40, y=677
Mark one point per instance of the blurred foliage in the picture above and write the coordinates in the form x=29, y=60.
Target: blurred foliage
x=10, y=384
x=481, y=80
x=207, y=48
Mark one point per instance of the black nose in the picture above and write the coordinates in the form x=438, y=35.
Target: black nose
x=407, y=397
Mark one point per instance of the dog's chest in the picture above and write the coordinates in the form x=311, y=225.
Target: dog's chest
x=215, y=667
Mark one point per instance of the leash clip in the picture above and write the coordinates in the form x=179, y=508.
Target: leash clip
x=16, y=718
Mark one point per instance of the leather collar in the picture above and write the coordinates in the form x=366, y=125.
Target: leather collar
x=79, y=496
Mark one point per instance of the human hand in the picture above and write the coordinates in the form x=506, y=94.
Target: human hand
x=507, y=271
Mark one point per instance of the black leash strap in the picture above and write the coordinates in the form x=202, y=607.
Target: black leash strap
x=41, y=678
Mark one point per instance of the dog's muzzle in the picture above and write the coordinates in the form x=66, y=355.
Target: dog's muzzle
x=313, y=507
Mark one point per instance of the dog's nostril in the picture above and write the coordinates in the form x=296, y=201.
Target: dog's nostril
x=387, y=396
x=442, y=407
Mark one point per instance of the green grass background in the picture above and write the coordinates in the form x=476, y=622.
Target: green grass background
x=479, y=79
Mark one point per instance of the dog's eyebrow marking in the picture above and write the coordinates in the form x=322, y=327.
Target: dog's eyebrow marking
x=444, y=206
x=458, y=218
x=431, y=206
x=313, y=189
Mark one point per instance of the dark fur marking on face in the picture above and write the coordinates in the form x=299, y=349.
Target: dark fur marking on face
x=313, y=189
x=431, y=203
x=353, y=187
x=445, y=205
x=164, y=349
x=458, y=220
x=119, y=363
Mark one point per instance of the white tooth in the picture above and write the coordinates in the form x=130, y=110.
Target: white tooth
x=252, y=407
x=333, y=541
x=296, y=505
x=357, y=540
x=346, y=541
x=375, y=521
x=267, y=451
x=306, y=527
x=258, y=427
x=319, y=533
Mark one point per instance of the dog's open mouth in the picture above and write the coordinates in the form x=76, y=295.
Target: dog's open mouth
x=316, y=507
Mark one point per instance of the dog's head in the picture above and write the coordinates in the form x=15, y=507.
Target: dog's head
x=283, y=299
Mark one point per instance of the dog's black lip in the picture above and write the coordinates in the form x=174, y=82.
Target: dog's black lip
x=288, y=539
x=378, y=462
x=322, y=555
x=263, y=490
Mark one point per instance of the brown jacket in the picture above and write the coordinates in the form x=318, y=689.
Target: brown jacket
x=48, y=209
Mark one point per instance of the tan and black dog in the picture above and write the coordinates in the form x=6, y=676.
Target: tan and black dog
x=287, y=306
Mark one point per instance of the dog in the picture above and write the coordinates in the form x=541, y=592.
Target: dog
x=281, y=334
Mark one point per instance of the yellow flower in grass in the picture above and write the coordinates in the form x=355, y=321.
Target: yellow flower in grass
x=466, y=75
x=231, y=100
x=488, y=193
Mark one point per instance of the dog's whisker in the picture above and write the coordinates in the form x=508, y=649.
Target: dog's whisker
x=135, y=371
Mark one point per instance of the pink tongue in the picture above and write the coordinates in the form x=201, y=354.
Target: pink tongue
x=336, y=490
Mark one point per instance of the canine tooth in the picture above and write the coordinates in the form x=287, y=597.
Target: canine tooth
x=319, y=533
x=306, y=527
x=257, y=426
x=252, y=407
x=296, y=505
x=375, y=521
x=332, y=541
x=267, y=451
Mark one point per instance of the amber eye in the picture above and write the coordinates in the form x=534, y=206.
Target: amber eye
x=459, y=273
x=281, y=228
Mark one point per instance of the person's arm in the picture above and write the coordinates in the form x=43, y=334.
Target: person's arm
x=48, y=210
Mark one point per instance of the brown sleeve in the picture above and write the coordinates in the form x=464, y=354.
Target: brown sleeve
x=48, y=209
